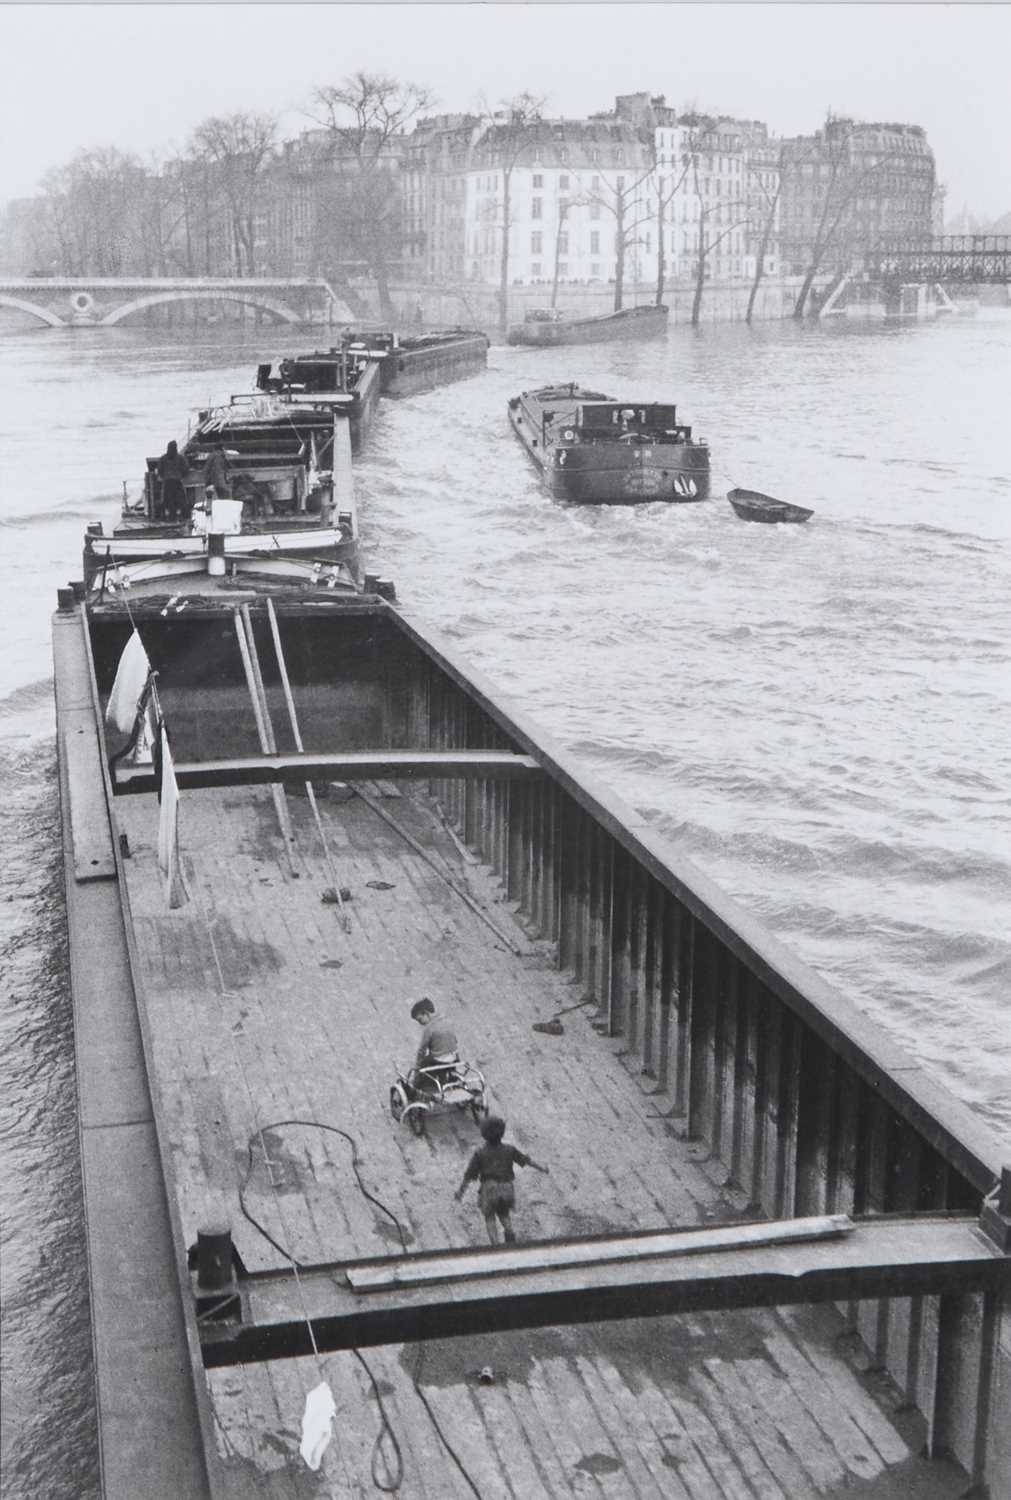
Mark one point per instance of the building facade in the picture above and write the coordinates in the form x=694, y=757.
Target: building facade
x=851, y=185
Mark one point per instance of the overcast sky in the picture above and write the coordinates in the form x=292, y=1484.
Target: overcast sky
x=141, y=76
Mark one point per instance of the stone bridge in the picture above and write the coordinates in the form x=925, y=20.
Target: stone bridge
x=101, y=302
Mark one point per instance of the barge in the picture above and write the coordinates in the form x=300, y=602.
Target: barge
x=545, y=327
x=596, y=450
x=771, y=1259
x=353, y=374
x=274, y=486
x=345, y=379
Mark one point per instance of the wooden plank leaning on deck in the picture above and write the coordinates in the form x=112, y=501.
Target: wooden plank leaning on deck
x=366, y=765
x=149, y=1433
x=881, y=1257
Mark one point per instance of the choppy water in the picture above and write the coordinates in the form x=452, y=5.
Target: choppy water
x=817, y=715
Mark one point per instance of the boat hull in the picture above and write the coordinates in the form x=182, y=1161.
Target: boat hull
x=752, y=505
x=425, y=364
x=630, y=323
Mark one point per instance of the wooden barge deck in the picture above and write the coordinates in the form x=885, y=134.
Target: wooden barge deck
x=257, y=1008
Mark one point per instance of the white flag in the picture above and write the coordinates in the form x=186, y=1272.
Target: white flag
x=131, y=679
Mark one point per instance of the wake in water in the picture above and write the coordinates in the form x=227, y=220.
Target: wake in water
x=44, y=1279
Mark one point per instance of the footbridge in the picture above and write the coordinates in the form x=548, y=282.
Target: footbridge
x=92, y=302
x=968, y=259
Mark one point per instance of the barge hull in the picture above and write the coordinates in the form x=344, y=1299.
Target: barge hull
x=695, y=1054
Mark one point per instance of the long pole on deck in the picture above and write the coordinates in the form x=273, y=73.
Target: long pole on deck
x=296, y=732
x=264, y=728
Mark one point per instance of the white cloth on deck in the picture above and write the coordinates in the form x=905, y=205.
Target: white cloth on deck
x=131, y=678
x=169, y=862
x=316, y=1419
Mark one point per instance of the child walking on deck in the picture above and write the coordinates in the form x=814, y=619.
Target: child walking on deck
x=492, y=1164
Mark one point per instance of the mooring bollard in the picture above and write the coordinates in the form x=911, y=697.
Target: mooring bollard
x=216, y=1289
x=214, y=1259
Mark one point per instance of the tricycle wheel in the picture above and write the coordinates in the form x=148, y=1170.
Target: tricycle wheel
x=416, y=1119
x=398, y=1102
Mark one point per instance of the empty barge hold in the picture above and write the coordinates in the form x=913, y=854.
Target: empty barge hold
x=747, y=1177
x=595, y=450
x=547, y=328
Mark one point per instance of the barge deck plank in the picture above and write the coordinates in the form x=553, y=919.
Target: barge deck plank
x=307, y=1022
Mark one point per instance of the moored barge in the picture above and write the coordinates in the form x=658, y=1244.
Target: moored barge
x=749, y=1182
x=547, y=328
x=596, y=450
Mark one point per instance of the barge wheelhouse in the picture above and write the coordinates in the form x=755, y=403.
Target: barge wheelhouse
x=596, y=450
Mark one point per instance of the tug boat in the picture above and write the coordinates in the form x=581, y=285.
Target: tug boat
x=546, y=327
x=596, y=450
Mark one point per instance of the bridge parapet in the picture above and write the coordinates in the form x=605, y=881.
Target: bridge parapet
x=104, y=301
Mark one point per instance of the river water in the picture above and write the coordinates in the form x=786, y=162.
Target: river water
x=817, y=715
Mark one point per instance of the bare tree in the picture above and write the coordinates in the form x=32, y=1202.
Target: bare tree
x=238, y=148
x=765, y=206
x=364, y=117
x=624, y=201
x=503, y=139
x=666, y=191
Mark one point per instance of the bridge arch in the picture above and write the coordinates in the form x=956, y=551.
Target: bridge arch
x=43, y=313
x=252, y=299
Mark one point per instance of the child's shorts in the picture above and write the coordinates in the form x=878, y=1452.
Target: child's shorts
x=496, y=1197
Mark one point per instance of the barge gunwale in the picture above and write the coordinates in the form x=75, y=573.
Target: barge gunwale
x=153, y=1410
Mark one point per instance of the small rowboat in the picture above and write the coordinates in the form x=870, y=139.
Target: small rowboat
x=752, y=505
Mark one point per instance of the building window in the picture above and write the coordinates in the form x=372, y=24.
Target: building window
x=595, y=242
x=535, y=208
x=563, y=244
x=538, y=180
x=595, y=270
x=536, y=243
x=594, y=184
x=535, y=268
x=594, y=210
x=563, y=184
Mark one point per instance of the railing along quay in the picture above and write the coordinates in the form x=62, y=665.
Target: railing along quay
x=804, y=1101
